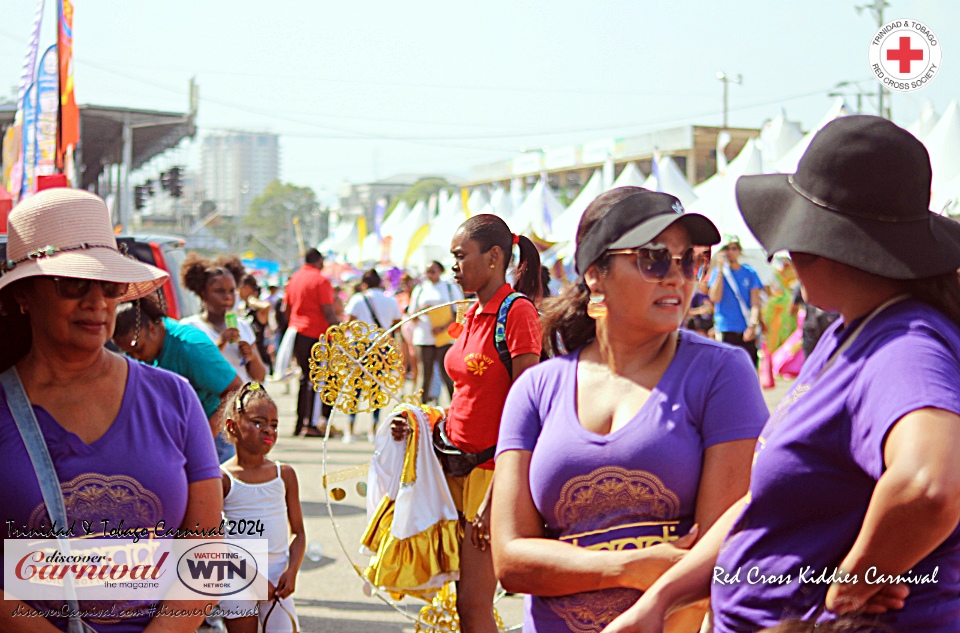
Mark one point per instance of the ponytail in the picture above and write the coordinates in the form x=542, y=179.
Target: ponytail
x=566, y=326
x=527, y=278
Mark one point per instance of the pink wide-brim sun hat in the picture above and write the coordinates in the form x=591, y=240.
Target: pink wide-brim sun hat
x=63, y=232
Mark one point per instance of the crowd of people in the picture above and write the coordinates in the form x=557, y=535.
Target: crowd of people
x=608, y=450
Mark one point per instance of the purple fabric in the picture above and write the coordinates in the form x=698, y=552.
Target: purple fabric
x=636, y=486
x=818, y=461
x=138, y=471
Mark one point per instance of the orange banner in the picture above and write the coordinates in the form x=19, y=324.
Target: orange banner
x=69, y=129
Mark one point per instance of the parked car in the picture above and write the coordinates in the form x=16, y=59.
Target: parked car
x=163, y=251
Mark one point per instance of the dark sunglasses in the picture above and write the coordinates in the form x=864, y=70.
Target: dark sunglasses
x=654, y=263
x=71, y=288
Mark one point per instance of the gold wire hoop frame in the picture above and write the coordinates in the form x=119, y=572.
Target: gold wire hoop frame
x=348, y=364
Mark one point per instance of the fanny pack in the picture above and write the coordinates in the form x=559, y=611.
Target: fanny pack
x=455, y=462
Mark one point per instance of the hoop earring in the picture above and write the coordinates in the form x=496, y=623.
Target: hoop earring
x=596, y=308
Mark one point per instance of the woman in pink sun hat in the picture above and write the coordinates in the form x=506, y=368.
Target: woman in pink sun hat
x=111, y=439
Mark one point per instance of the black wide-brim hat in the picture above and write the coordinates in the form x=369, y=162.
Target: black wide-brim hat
x=861, y=196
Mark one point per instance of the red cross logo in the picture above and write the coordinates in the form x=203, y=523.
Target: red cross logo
x=905, y=55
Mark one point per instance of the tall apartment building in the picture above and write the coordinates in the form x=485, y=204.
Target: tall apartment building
x=236, y=167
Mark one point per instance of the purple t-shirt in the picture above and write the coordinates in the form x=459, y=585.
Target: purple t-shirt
x=138, y=471
x=817, y=463
x=634, y=487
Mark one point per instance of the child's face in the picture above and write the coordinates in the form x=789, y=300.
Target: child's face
x=261, y=413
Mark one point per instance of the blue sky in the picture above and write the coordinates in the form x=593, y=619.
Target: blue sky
x=363, y=89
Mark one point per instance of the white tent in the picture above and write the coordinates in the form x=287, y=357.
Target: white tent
x=777, y=137
x=418, y=217
x=928, y=119
x=943, y=144
x=501, y=204
x=395, y=219
x=535, y=216
x=946, y=199
x=788, y=164
x=631, y=176
x=672, y=181
x=344, y=236
x=565, y=225
x=479, y=198
x=436, y=245
x=717, y=195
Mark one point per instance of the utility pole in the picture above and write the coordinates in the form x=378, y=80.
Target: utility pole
x=876, y=9
x=726, y=87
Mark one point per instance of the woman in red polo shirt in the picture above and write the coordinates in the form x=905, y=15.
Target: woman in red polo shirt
x=482, y=248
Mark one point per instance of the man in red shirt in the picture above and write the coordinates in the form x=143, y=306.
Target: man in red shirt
x=309, y=300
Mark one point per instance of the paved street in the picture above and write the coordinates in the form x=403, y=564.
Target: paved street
x=329, y=595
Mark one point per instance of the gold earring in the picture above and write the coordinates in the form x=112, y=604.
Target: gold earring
x=596, y=308
x=493, y=265
x=23, y=309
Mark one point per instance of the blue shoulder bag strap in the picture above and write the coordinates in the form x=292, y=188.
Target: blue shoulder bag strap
x=46, y=475
x=500, y=331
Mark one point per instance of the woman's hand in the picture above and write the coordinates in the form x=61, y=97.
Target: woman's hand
x=850, y=597
x=246, y=351
x=229, y=335
x=650, y=563
x=399, y=427
x=480, y=534
x=287, y=583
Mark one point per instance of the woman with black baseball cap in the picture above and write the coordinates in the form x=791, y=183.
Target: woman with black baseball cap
x=610, y=455
x=854, y=499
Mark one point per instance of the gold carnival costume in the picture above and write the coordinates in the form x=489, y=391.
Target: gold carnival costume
x=413, y=530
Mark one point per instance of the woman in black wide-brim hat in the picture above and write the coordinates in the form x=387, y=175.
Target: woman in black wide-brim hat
x=854, y=499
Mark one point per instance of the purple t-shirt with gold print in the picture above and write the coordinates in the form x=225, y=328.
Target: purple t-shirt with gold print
x=137, y=472
x=817, y=463
x=634, y=487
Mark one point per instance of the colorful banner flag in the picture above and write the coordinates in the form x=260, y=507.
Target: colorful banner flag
x=655, y=167
x=48, y=102
x=27, y=78
x=361, y=230
x=12, y=148
x=69, y=128
x=29, y=154
x=379, y=211
x=415, y=241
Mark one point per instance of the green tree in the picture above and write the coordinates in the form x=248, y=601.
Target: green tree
x=269, y=223
x=420, y=190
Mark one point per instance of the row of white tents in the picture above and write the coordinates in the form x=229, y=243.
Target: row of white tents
x=413, y=237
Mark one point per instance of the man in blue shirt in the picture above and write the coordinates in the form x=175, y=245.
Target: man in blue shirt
x=736, y=311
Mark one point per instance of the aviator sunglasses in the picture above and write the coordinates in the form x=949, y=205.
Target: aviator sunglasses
x=654, y=263
x=71, y=288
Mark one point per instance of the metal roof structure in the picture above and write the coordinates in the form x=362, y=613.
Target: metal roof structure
x=101, y=136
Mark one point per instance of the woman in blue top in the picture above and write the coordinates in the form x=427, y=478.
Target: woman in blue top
x=144, y=332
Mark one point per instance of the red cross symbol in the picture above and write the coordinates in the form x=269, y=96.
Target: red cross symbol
x=905, y=54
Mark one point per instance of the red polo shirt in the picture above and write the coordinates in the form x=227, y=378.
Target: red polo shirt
x=480, y=378
x=307, y=290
